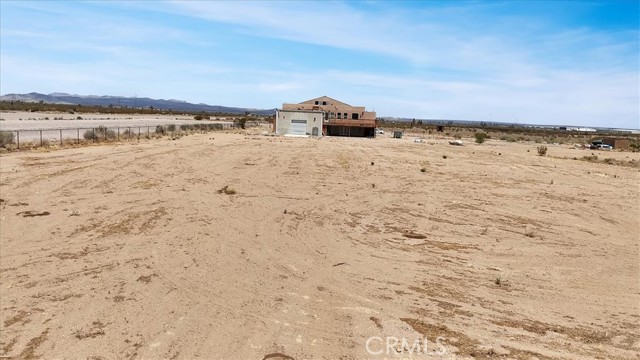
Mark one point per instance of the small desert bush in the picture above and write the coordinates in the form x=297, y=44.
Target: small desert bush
x=542, y=150
x=128, y=133
x=198, y=117
x=89, y=134
x=226, y=190
x=507, y=138
x=242, y=122
x=501, y=280
x=590, y=158
x=171, y=128
x=161, y=130
x=185, y=127
x=6, y=138
x=99, y=133
x=480, y=137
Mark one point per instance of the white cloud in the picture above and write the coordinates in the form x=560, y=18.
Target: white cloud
x=446, y=62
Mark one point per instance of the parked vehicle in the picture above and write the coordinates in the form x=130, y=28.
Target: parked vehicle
x=600, y=146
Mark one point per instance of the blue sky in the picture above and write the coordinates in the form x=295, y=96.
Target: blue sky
x=544, y=62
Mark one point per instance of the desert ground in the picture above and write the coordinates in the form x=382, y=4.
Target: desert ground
x=243, y=246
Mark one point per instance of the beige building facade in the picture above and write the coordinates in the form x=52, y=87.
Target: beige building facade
x=338, y=118
x=298, y=122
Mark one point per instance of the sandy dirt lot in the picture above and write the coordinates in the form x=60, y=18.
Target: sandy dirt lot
x=329, y=249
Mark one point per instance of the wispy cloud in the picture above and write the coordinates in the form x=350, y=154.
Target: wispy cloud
x=472, y=60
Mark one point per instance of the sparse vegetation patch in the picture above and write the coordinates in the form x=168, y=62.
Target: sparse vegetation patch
x=542, y=150
x=227, y=190
x=480, y=137
x=6, y=138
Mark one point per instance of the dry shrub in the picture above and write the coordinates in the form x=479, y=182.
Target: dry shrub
x=6, y=138
x=226, y=190
x=99, y=133
x=542, y=150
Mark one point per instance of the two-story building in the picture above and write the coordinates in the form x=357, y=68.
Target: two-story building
x=325, y=116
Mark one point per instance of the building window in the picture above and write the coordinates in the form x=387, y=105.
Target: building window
x=344, y=116
x=354, y=116
x=317, y=102
x=339, y=115
x=324, y=103
x=332, y=115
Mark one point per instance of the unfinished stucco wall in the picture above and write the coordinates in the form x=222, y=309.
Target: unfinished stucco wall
x=284, y=119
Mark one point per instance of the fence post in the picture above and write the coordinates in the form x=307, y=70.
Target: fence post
x=138, y=133
x=129, y=133
x=118, y=134
x=18, y=136
x=40, y=138
x=60, y=137
x=147, y=131
x=78, y=141
x=94, y=134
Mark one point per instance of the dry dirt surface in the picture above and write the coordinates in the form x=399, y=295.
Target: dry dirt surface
x=237, y=246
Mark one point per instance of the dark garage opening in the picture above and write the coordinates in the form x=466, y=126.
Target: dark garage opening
x=351, y=131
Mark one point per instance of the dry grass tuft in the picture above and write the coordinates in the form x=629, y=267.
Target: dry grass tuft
x=227, y=190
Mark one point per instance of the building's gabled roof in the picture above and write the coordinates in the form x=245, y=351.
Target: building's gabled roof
x=327, y=99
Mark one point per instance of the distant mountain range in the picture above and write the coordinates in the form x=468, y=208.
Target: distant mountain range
x=133, y=102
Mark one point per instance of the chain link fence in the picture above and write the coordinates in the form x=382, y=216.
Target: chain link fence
x=47, y=137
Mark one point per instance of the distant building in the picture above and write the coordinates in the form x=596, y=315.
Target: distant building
x=325, y=116
x=616, y=143
x=580, y=129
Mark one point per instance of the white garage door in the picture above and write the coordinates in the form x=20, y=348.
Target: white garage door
x=298, y=127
